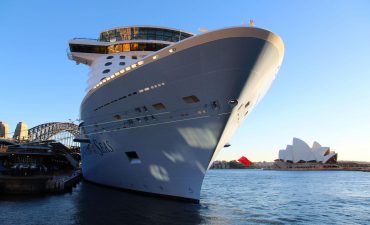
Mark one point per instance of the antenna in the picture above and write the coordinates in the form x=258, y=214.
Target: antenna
x=251, y=23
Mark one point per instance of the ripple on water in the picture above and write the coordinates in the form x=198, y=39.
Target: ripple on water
x=228, y=197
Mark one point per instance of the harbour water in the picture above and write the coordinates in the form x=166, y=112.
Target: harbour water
x=228, y=197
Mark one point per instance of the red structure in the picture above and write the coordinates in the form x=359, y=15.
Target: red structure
x=245, y=161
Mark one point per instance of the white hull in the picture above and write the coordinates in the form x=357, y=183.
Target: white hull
x=177, y=145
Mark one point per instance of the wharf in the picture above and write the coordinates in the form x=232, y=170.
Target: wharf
x=39, y=184
x=63, y=183
x=40, y=167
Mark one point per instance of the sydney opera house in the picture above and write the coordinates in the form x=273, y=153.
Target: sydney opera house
x=300, y=155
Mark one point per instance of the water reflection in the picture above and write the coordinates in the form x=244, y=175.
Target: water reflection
x=228, y=197
x=101, y=205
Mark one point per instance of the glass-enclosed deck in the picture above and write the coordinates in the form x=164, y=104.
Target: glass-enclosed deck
x=143, y=33
x=129, y=39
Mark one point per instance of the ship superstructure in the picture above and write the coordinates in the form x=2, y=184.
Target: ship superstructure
x=161, y=103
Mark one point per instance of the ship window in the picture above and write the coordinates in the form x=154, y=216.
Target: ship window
x=240, y=107
x=102, y=79
x=117, y=48
x=122, y=63
x=134, y=57
x=110, y=57
x=246, y=105
x=122, y=57
x=118, y=117
x=138, y=110
x=191, y=99
x=133, y=157
x=159, y=106
x=106, y=71
x=108, y=64
x=126, y=47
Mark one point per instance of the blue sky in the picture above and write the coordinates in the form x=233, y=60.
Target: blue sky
x=322, y=91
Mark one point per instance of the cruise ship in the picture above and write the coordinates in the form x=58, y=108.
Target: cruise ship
x=161, y=103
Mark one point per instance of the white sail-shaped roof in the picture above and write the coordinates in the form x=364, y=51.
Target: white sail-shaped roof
x=282, y=154
x=289, y=153
x=300, y=151
x=315, y=145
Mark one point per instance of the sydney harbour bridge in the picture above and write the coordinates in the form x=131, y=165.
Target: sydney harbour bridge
x=62, y=132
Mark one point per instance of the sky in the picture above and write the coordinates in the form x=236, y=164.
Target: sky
x=322, y=91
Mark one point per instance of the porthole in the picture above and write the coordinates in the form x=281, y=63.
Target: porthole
x=110, y=57
x=134, y=57
x=102, y=79
x=122, y=63
x=122, y=57
x=233, y=102
x=108, y=64
x=106, y=71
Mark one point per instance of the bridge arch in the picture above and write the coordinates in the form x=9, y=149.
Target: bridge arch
x=46, y=131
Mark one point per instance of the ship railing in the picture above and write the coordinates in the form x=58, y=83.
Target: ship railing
x=133, y=119
x=88, y=39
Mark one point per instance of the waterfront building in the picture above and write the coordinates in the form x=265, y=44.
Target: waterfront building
x=300, y=152
x=4, y=130
x=220, y=165
x=161, y=103
x=40, y=167
x=299, y=156
x=21, y=131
